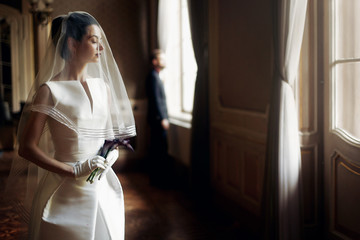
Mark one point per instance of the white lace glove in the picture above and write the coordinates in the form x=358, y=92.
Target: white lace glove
x=85, y=168
x=109, y=161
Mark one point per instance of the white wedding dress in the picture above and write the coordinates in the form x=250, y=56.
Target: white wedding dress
x=69, y=209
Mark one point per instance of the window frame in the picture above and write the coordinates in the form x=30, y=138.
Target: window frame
x=334, y=61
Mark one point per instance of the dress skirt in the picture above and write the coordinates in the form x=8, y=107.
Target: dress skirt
x=67, y=208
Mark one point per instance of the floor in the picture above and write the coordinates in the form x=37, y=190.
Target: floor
x=152, y=213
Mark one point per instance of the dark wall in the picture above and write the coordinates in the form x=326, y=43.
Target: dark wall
x=13, y=3
x=245, y=54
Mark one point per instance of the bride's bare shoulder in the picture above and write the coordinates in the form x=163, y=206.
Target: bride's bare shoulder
x=43, y=95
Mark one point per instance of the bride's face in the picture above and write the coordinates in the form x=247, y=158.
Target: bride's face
x=90, y=47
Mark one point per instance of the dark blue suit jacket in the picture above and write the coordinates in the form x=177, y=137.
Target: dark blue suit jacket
x=157, y=109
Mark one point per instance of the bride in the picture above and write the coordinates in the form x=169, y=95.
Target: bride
x=78, y=100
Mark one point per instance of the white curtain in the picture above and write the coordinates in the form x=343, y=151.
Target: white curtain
x=291, y=22
x=21, y=58
x=181, y=68
x=169, y=43
x=166, y=20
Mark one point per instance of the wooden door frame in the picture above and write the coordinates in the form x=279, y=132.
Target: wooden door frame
x=309, y=96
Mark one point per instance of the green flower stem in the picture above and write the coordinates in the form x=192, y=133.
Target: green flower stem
x=92, y=175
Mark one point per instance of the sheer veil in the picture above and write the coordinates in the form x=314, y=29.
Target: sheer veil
x=120, y=121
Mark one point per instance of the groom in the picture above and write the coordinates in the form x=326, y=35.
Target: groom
x=158, y=121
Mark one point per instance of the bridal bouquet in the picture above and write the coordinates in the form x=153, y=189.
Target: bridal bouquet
x=108, y=146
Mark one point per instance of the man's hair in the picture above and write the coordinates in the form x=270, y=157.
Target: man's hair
x=155, y=53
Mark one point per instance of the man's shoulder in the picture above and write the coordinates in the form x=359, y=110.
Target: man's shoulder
x=153, y=73
x=153, y=76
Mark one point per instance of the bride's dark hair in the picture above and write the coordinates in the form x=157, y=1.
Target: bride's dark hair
x=76, y=27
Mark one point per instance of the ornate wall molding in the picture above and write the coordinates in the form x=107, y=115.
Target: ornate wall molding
x=345, y=196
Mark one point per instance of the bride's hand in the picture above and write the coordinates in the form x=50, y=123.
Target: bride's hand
x=110, y=160
x=85, y=168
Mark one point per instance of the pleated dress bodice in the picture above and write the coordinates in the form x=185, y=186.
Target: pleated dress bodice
x=87, y=113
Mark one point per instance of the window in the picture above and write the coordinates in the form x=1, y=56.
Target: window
x=180, y=73
x=345, y=67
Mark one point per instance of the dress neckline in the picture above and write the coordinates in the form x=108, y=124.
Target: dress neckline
x=86, y=79
x=87, y=94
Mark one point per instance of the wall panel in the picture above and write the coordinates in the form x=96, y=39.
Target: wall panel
x=238, y=169
x=240, y=87
x=345, y=197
